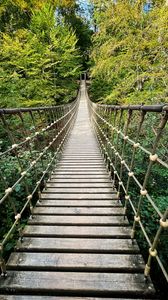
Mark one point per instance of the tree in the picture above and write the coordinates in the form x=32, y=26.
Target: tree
x=72, y=14
x=130, y=52
x=44, y=46
x=39, y=64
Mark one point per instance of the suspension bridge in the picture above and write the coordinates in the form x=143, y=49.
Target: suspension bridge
x=78, y=242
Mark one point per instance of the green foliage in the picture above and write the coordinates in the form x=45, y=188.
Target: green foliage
x=130, y=52
x=10, y=169
x=81, y=27
x=39, y=62
x=156, y=187
x=155, y=182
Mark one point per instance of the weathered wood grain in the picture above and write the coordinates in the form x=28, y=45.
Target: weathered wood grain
x=78, y=245
x=79, y=167
x=81, y=176
x=79, y=203
x=76, y=231
x=83, y=164
x=85, y=160
x=79, y=184
x=84, y=190
x=76, y=153
x=73, y=156
x=81, y=196
x=76, y=262
x=96, y=181
x=80, y=172
x=90, y=211
x=30, y=297
x=78, y=283
x=78, y=220
x=84, y=157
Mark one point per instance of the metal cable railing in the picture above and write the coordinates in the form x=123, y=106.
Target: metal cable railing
x=133, y=140
x=31, y=142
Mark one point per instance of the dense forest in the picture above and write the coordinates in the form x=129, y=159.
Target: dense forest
x=130, y=52
x=43, y=50
x=46, y=44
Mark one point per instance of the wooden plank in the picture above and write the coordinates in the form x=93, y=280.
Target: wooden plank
x=80, y=166
x=83, y=148
x=79, y=203
x=81, y=196
x=86, y=155
x=73, y=141
x=55, y=184
x=30, y=297
x=78, y=220
x=90, y=181
x=91, y=143
x=91, y=211
x=85, y=245
x=85, y=159
x=110, y=284
x=94, y=177
x=80, y=172
x=76, y=262
x=82, y=163
x=76, y=231
x=81, y=153
x=85, y=152
x=84, y=142
x=71, y=190
x=81, y=169
x=81, y=157
x=88, y=144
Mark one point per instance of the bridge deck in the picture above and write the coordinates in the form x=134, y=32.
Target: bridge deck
x=78, y=243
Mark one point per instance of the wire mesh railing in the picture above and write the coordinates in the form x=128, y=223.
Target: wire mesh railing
x=31, y=140
x=133, y=140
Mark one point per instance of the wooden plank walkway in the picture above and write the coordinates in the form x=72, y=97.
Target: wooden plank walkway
x=77, y=245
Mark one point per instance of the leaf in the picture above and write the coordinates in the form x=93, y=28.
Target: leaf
x=17, y=188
